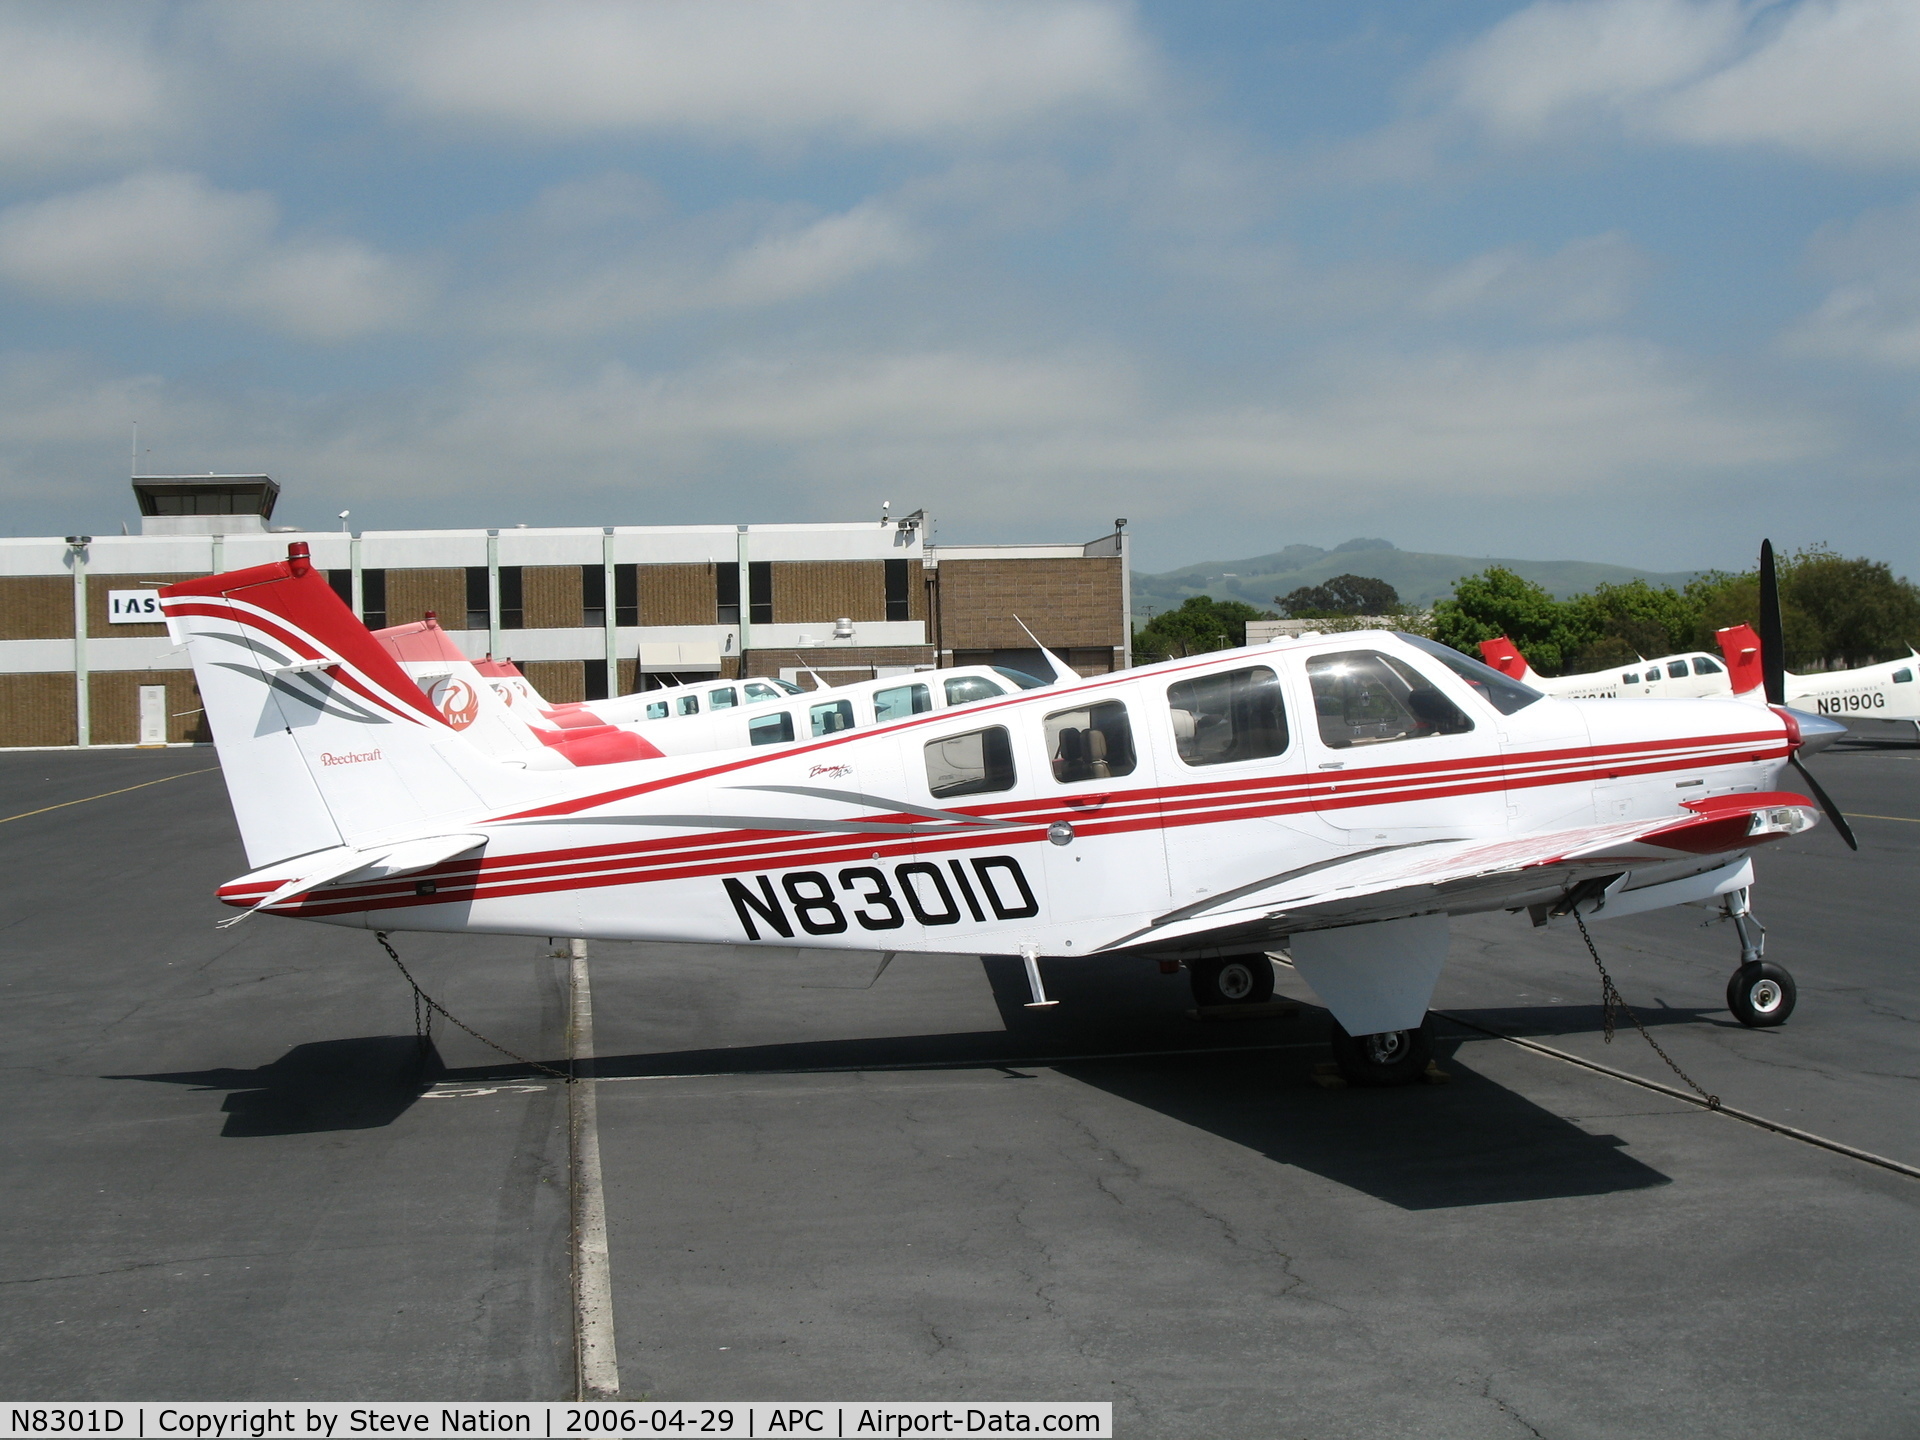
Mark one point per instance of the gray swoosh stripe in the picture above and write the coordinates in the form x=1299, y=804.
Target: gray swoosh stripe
x=1214, y=902
x=855, y=797
x=305, y=697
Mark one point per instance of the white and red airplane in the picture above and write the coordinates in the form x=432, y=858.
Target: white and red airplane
x=1886, y=691
x=1340, y=798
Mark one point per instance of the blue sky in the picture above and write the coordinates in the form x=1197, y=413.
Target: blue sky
x=1623, y=280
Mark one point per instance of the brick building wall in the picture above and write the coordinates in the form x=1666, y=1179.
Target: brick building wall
x=1071, y=604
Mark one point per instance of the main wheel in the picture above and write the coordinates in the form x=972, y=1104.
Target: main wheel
x=1395, y=1057
x=1761, y=994
x=1232, y=980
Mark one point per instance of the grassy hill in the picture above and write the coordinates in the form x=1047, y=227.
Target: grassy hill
x=1419, y=577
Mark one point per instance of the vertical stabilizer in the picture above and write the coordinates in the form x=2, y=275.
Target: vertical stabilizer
x=1740, y=646
x=1502, y=655
x=323, y=738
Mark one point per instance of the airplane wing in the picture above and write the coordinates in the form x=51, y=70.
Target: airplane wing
x=1460, y=876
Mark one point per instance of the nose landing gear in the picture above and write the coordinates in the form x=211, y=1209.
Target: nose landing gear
x=1760, y=994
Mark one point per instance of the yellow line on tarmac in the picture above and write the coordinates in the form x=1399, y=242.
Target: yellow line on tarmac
x=107, y=793
x=1908, y=818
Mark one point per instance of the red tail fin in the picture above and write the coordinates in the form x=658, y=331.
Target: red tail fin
x=1502, y=656
x=1741, y=647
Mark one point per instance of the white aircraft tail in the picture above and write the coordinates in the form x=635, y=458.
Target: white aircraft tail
x=323, y=738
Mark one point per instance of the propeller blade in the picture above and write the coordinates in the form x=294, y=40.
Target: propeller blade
x=1826, y=804
x=1773, y=646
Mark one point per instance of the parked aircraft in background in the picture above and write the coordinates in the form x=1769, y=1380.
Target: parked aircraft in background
x=495, y=715
x=1339, y=797
x=1872, y=692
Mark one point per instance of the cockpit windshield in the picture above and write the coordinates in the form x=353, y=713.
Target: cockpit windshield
x=1504, y=694
x=1021, y=678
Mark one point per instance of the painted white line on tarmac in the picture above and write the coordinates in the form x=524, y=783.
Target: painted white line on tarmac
x=597, y=1364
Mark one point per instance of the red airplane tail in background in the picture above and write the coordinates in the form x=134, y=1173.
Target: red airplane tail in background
x=1741, y=648
x=1502, y=655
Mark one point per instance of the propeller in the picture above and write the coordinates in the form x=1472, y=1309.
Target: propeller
x=1773, y=670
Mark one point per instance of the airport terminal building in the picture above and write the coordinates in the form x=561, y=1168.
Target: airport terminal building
x=586, y=612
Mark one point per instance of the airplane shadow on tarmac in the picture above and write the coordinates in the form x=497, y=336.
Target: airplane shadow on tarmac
x=326, y=1085
x=1469, y=1142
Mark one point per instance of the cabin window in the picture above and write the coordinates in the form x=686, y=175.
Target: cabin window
x=1361, y=697
x=1093, y=742
x=722, y=699
x=689, y=704
x=657, y=710
x=1632, y=677
x=969, y=688
x=833, y=717
x=901, y=701
x=977, y=763
x=1503, y=692
x=770, y=729
x=1704, y=666
x=757, y=691
x=1676, y=669
x=1903, y=677
x=1235, y=716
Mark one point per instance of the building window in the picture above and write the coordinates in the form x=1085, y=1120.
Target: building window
x=898, y=602
x=760, y=592
x=342, y=583
x=373, y=599
x=971, y=764
x=512, y=617
x=593, y=599
x=726, y=594
x=626, y=595
x=478, y=615
x=596, y=680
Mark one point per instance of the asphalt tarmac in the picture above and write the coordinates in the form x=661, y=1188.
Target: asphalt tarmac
x=230, y=1173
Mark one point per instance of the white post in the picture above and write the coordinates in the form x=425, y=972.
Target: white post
x=82, y=703
x=611, y=614
x=746, y=597
x=359, y=592
x=493, y=593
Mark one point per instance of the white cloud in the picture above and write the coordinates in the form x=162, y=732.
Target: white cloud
x=763, y=71
x=1587, y=280
x=70, y=96
x=662, y=264
x=173, y=241
x=1873, y=313
x=1834, y=80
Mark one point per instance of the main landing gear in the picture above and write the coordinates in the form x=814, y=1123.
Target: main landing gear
x=1395, y=1057
x=1231, y=980
x=1759, y=993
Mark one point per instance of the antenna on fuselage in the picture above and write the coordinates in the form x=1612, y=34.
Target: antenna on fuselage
x=1061, y=670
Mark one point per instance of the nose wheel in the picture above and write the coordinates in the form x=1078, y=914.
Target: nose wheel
x=1760, y=994
x=1393, y=1057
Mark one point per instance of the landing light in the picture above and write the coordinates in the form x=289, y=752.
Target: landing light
x=1782, y=820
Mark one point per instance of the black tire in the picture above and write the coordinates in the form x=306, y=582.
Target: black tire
x=1398, y=1057
x=1232, y=980
x=1761, y=994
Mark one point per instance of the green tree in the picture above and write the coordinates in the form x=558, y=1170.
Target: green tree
x=1498, y=602
x=1200, y=624
x=1342, y=595
x=1629, y=622
x=1860, y=611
